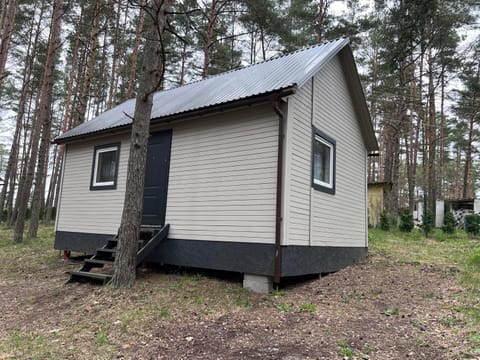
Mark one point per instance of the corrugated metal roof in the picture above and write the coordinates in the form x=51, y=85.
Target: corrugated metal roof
x=279, y=73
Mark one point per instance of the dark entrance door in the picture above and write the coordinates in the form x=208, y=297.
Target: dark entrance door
x=156, y=178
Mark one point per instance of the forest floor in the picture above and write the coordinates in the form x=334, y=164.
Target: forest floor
x=413, y=298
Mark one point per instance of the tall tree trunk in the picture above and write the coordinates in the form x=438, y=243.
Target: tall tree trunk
x=101, y=80
x=133, y=66
x=91, y=57
x=372, y=161
x=321, y=17
x=66, y=123
x=3, y=12
x=6, y=35
x=392, y=145
x=410, y=145
x=431, y=140
x=22, y=165
x=458, y=189
x=41, y=175
x=52, y=186
x=468, y=173
x=441, y=140
x=112, y=89
x=262, y=44
x=467, y=177
x=152, y=76
x=10, y=173
x=43, y=113
x=183, y=63
x=212, y=18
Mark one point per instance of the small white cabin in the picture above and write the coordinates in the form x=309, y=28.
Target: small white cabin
x=260, y=170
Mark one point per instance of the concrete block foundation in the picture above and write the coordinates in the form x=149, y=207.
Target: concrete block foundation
x=258, y=283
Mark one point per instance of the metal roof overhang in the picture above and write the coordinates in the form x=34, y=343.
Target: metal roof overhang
x=214, y=109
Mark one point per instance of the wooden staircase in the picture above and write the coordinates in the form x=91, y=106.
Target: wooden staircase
x=99, y=267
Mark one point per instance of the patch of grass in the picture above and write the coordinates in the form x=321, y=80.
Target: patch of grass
x=472, y=313
x=285, y=307
x=198, y=300
x=309, y=307
x=345, y=350
x=347, y=298
x=422, y=342
x=180, y=284
x=458, y=254
x=278, y=292
x=163, y=312
x=415, y=248
x=471, y=271
x=243, y=302
x=474, y=339
x=101, y=337
x=367, y=348
x=391, y=311
x=30, y=256
x=451, y=321
x=26, y=345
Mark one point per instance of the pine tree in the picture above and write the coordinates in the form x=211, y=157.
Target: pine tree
x=384, y=221
x=449, y=223
x=43, y=115
x=467, y=109
x=406, y=221
x=427, y=222
x=152, y=69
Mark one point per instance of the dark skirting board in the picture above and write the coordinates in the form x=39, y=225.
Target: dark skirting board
x=251, y=258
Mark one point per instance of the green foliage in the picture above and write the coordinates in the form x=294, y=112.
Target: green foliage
x=391, y=311
x=472, y=224
x=101, y=337
x=285, y=307
x=406, y=221
x=384, y=221
x=449, y=223
x=427, y=222
x=345, y=350
x=471, y=275
x=22, y=345
x=309, y=307
x=278, y=292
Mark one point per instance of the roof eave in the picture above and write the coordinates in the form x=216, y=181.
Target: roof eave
x=266, y=97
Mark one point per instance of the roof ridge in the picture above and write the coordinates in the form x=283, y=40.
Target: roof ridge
x=275, y=57
x=268, y=77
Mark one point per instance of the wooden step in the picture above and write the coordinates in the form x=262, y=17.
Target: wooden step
x=106, y=251
x=150, y=237
x=111, y=243
x=85, y=276
x=98, y=262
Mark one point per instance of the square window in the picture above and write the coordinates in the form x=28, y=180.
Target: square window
x=105, y=167
x=323, y=162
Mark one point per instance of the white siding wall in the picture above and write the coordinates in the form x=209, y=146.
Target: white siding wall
x=298, y=168
x=313, y=217
x=83, y=210
x=222, y=183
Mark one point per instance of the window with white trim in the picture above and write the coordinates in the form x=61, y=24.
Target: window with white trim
x=323, y=174
x=105, y=167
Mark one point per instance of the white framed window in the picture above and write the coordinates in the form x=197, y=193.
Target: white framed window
x=105, y=167
x=323, y=162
